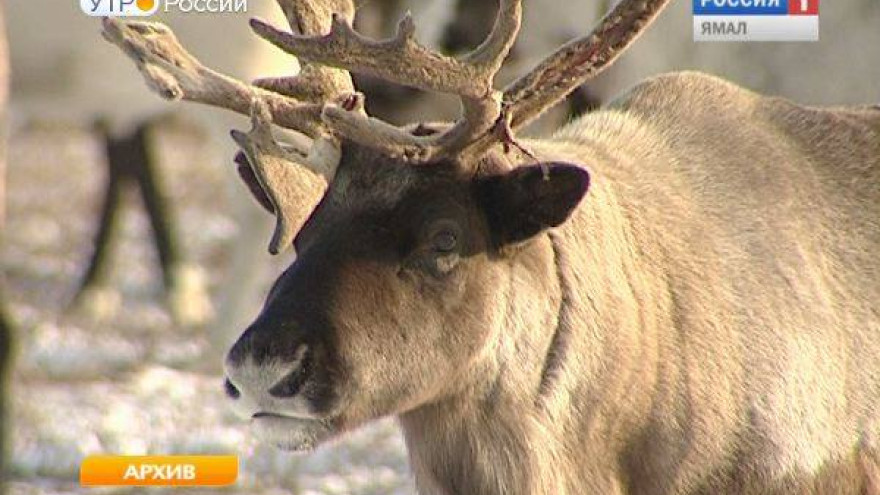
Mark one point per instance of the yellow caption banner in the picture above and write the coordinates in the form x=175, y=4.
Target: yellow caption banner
x=157, y=470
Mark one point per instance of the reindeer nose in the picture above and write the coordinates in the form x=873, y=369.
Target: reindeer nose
x=287, y=387
x=291, y=383
x=264, y=342
x=231, y=390
x=272, y=386
x=266, y=367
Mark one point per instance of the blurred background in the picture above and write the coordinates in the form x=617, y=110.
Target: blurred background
x=133, y=257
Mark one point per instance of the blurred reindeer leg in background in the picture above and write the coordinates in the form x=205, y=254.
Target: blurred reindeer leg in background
x=185, y=290
x=131, y=161
x=5, y=323
x=93, y=296
x=64, y=74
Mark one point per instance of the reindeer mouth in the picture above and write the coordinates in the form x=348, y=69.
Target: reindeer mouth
x=290, y=432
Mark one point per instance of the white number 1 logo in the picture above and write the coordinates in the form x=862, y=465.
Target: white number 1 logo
x=804, y=5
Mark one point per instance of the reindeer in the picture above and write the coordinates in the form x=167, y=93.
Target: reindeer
x=706, y=321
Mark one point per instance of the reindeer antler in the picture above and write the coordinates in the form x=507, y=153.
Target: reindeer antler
x=570, y=66
x=321, y=101
x=487, y=118
x=315, y=83
x=292, y=102
x=578, y=61
x=403, y=60
x=177, y=75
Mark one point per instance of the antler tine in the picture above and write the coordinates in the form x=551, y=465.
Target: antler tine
x=579, y=61
x=275, y=171
x=315, y=83
x=175, y=74
x=294, y=102
x=403, y=60
x=570, y=66
x=400, y=59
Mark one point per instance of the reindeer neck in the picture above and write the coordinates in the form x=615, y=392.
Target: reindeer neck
x=562, y=337
x=491, y=438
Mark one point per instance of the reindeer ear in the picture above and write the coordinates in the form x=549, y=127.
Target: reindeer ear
x=247, y=175
x=529, y=200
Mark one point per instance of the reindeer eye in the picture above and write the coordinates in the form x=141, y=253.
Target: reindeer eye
x=439, y=252
x=444, y=241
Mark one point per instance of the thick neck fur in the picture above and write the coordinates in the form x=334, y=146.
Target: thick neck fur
x=519, y=430
x=489, y=438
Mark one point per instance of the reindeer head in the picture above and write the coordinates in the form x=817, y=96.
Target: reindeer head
x=399, y=292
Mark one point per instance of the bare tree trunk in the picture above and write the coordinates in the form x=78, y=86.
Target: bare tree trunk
x=5, y=327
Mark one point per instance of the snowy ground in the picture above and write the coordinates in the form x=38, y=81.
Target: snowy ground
x=133, y=383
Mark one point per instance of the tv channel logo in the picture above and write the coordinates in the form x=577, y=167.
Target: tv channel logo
x=756, y=20
x=143, y=8
x=119, y=8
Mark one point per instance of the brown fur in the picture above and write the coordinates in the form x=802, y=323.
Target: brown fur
x=707, y=320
